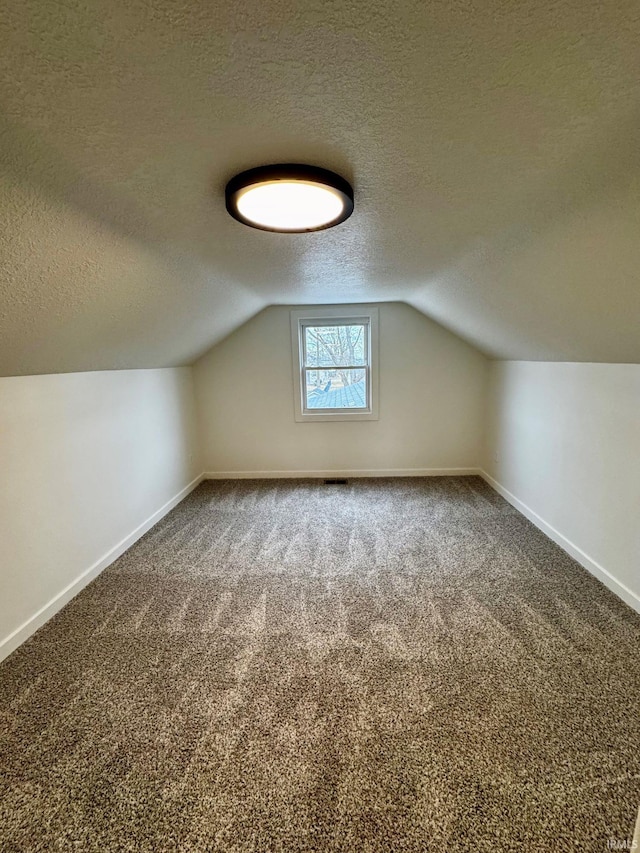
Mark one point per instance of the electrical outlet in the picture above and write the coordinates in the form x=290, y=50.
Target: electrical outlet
x=496, y=456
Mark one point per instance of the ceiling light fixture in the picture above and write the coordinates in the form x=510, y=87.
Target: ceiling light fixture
x=289, y=197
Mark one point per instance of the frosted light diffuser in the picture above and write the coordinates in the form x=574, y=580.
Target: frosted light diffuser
x=289, y=197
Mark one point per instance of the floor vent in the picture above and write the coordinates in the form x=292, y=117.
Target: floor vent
x=336, y=481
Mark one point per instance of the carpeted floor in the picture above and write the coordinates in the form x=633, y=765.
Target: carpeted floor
x=393, y=665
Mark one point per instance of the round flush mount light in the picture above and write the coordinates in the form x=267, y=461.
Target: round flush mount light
x=289, y=197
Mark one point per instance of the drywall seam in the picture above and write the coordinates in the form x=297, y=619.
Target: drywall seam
x=341, y=472
x=587, y=562
x=31, y=625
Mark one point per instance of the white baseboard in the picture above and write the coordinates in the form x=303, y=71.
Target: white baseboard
x=591, y=565
x=340, y=472
x=17, y=637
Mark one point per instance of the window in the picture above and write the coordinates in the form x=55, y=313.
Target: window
x=335, y=363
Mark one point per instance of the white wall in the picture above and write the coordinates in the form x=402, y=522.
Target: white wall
x=567, y=437
x=85, y=459
x=432, y=388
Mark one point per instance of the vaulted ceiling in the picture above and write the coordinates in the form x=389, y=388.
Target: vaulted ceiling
x=493, y=148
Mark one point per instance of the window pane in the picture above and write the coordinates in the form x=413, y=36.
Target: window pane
x=336, y=389
x=335, y=346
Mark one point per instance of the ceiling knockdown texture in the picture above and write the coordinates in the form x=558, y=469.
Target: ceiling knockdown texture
x=493, y=147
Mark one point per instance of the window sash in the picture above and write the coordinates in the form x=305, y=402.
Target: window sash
x=320, y=409
x=366, y=367
x=355, y=321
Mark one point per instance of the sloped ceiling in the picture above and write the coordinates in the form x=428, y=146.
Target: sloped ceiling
x=493, y=147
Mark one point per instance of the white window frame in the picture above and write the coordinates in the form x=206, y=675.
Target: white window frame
x=331, y=315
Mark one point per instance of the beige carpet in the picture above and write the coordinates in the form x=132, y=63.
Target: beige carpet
x=394, y=665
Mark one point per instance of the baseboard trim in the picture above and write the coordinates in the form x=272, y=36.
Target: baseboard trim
x=587, y=562
x=340, y=472
x=10, y=643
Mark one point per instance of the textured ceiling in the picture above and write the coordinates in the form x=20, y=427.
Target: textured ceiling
x=493, y=147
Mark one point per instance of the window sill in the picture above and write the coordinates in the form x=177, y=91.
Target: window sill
x=310, y=417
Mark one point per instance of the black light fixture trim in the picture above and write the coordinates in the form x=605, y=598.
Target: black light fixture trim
x=289, y=172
